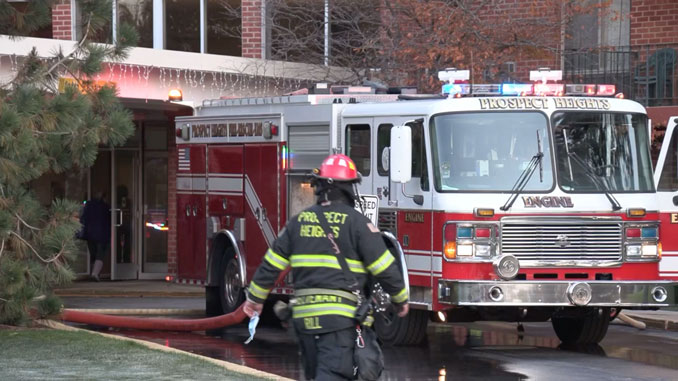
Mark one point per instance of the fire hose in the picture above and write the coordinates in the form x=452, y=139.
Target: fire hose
x=154, y=324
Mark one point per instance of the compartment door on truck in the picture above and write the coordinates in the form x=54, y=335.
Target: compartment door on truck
x=666, y=181
x=191, y=214
x=263, y=191
x=225, y=188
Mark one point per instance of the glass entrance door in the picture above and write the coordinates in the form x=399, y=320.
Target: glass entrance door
x=125, y=217
x=155, y=226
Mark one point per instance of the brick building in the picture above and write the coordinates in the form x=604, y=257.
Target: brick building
x=178, y=48
x=191, y=44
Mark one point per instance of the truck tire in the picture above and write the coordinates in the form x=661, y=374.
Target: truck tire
x=589, y=328
x=394, y=330
x=231, y=294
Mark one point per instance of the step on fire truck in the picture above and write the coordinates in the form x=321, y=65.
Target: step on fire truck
x=511, y=202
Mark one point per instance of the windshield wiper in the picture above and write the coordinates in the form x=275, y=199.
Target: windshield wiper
x=588, y=169
x=525, y=176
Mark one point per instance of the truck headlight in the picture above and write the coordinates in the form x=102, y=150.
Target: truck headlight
x=483, y=250
x=633, y=251
x=649, y=250
x=465, y=249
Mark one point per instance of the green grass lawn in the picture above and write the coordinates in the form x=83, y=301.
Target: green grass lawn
x=46, y=354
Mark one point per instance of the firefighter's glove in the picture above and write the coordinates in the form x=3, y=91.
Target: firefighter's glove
x=252, y=327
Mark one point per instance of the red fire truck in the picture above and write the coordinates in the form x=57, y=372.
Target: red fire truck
x=512, y=202
x=666, y=180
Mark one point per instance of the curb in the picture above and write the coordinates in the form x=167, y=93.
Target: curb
x=663, y=324
x=241, y=369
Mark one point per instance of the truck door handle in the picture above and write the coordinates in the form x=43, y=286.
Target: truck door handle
x=188, y=210
x=195, y=210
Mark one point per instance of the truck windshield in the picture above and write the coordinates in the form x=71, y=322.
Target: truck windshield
x=489, y=151
x=602, y=151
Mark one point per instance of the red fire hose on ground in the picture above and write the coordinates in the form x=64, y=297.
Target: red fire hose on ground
x=154, y=324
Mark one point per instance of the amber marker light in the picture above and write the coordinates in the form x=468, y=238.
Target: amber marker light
x=175, y=95
x=483, y=212
x=635, y=212
x=450, y=250
x=659, y=250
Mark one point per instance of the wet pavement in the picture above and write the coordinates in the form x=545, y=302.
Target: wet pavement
x=476, y=351
x=473, y=351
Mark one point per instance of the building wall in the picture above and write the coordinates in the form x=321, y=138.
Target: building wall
x=252, y=38
x=654, y=22
x=61, y=20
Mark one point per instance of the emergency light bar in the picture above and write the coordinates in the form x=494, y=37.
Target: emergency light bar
x=454, y=88
x=525, y=89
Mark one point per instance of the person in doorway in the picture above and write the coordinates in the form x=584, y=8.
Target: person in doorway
x=96, y=222
x=324, y=307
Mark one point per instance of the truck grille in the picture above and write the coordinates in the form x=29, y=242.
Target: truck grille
x=562, y=239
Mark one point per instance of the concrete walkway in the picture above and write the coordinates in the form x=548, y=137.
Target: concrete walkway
x=131, y=288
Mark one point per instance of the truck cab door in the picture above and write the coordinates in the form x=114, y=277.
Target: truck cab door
x=358, y=143
x=666, y=182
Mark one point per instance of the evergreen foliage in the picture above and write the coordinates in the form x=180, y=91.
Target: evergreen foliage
x=48, y=129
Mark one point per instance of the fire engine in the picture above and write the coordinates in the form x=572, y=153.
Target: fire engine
x=510, y=202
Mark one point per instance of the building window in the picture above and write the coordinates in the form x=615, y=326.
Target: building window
x=23, y=8
x=182, y=25
x=224, y=27
x=183, y=28
x=296, y=31
x=139, y=14
x=593, y=38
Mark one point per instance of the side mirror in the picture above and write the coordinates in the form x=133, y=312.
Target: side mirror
x=401, y=154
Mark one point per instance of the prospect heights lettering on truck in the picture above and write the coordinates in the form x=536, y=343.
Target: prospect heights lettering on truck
x=542, y=103
x=547, y=202
x=513, y=103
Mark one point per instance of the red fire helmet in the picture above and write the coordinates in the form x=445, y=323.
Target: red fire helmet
x=338, y=167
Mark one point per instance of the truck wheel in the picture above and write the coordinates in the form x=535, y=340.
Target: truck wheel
x=589, y=328
x=231, y=294
x=394, y=330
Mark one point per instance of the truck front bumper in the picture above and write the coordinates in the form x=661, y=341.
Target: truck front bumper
x=558, y=293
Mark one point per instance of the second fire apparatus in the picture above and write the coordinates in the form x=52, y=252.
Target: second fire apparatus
x=508, y=202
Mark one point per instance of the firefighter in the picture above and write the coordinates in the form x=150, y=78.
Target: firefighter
x=323, y=308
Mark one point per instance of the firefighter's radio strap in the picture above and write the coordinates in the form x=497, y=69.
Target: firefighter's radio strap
x=351, y=281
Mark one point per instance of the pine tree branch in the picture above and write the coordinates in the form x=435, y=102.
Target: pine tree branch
x=36, y=253
x=26, y=223
x=2, y=248
x=53, y=133
x=78, y=47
